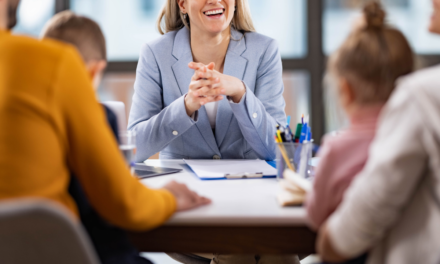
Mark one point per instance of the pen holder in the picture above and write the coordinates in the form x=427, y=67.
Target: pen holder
x=294, y=156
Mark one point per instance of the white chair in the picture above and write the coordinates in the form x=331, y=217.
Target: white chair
x=119, y=109
x=41, y=232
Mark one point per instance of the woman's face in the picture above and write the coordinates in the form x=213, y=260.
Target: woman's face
x=210, y=16
x=434, y=27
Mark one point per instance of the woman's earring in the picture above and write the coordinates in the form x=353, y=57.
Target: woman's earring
x=185, y=15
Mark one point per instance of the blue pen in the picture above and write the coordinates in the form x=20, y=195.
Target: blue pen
x=304, y=131
x=289, y=135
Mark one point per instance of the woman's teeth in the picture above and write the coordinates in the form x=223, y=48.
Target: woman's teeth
x=214, y=12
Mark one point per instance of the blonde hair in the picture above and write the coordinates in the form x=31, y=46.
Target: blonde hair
x=171, y=19
x=82, y=32
x=373, y=57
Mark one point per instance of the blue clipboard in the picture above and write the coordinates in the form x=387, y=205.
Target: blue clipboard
x=272, y=163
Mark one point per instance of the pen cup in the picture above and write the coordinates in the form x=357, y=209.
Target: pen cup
x=294, y=156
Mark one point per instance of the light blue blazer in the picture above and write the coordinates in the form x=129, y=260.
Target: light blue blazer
x=242, y=131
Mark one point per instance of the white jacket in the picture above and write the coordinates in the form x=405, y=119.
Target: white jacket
x=392, y=208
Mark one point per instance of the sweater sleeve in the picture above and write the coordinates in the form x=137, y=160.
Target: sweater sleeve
x=94, y=157
x=377, y=196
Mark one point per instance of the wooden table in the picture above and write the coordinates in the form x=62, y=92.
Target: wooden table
x=244, y=217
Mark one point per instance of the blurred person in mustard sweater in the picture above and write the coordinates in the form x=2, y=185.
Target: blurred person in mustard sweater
x=111, y=243
x=52, y=125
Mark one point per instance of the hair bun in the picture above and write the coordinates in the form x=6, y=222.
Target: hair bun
x=374, y=15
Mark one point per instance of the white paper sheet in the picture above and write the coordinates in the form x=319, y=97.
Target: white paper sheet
x=218, y=168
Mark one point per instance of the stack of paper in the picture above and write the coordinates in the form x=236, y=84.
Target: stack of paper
x=294, y=189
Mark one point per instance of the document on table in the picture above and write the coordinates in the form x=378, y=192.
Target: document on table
x=218, y=169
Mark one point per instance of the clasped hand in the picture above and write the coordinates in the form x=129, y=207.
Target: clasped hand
x=208, y=85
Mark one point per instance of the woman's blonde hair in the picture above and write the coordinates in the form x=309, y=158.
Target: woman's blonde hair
x=171, y=19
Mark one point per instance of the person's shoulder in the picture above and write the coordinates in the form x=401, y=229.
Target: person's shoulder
x=339, y=142
x=162, y=44
x=31, y=49
x=13, y=41
x=260, y=47
x=419, y=92
x=259, y=41
x=256, y=37
x=419, y=84
x=427, y=77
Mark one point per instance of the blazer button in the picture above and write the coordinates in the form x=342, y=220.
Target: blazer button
x=216, y=157
x=255, y=115
x=175, y=133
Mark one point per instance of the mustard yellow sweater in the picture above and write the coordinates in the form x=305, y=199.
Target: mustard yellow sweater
x=51, y=124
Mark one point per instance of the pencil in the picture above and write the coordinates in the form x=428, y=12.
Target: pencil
x=284, y=154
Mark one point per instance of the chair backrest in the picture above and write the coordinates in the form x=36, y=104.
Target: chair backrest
x=119, y=109
x=41, y=232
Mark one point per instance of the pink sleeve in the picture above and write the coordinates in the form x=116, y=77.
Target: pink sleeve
x=319, y=200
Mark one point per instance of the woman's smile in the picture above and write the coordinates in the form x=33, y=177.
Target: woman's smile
x=214, y=13
x=208, y=16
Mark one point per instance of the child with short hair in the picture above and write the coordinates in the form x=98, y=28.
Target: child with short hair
x=111, y=243
x=86, y=35
x=366, y=66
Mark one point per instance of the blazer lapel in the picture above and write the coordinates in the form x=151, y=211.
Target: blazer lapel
x=183, y=75
x=235, y=65
x=183, y=55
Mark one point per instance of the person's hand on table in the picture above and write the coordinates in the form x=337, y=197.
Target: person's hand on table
x=325, y=247
x=186, y=199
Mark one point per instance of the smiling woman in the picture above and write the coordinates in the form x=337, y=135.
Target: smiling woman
x=209, y=88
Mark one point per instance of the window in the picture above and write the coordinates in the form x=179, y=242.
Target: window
x=33, y=15
x=127, y=25
x=285, y=21
x=130, y=24
x=410, y=16
x=296, y=94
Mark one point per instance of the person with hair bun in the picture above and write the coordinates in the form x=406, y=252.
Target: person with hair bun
x=210, y=87
x=392, y=208
x=366, y=67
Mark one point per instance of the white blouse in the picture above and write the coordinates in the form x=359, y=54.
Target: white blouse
x=211, y=110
